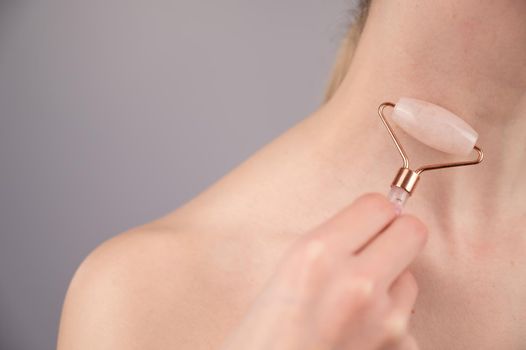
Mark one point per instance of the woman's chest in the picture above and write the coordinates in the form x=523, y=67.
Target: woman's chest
x=465, y=304
x=456, y=313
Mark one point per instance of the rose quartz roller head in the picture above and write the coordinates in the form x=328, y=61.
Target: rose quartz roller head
x=434, y=126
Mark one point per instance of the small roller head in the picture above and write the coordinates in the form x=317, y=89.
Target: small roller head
x=434, y=126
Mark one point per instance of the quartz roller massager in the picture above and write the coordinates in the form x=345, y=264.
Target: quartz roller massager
x=434, y=126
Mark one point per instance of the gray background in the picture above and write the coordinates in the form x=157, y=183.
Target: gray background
x=115, y=112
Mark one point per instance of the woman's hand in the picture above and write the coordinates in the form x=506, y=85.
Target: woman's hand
x=343, y=285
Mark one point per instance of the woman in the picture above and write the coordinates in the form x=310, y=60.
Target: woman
x=190, y=279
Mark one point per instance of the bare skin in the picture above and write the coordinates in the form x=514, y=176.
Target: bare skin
x=186, y=280
x=343, y=285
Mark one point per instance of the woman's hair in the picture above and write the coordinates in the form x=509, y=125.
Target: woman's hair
x=358, y=14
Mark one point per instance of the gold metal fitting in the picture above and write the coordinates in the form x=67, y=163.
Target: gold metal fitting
x=407, y=178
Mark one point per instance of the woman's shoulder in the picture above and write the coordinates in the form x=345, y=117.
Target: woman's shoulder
x=135, y=288
x=167, y=284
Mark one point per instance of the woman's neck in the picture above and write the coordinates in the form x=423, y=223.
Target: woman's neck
x=467, y=56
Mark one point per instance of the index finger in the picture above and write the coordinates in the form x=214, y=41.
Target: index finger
x=356, y=224
x=393, y=250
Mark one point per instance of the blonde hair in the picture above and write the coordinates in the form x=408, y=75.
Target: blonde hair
x=347, y=48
